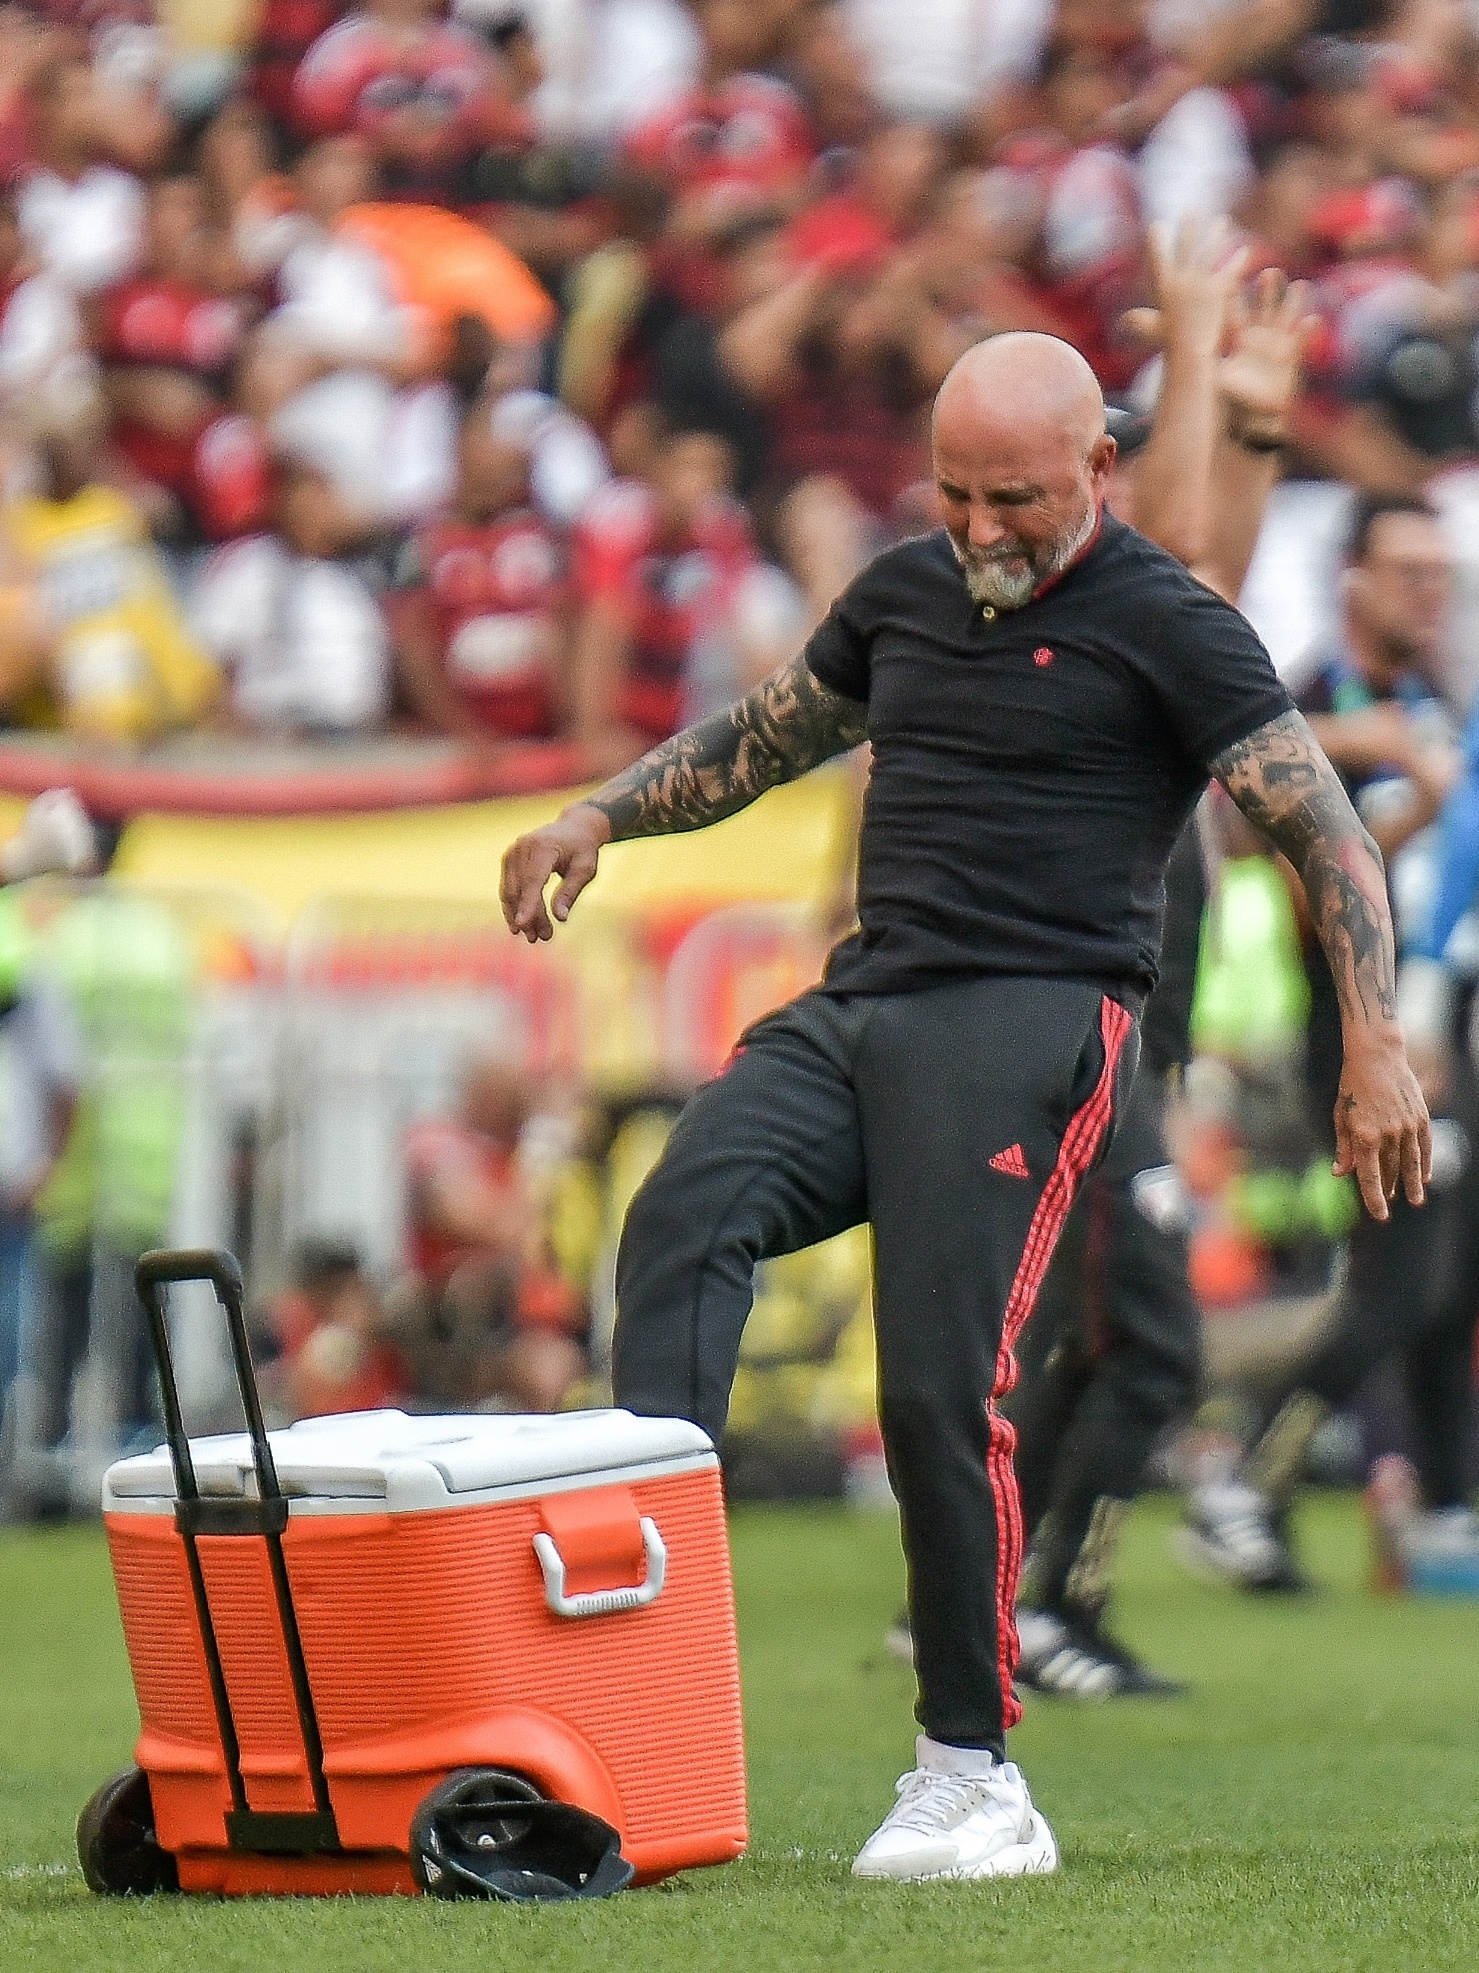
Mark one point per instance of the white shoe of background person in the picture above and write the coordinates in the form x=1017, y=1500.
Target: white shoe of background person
x=55, y=834
x=1230, y=1531
x=1439, y=1551
x=959, y=1814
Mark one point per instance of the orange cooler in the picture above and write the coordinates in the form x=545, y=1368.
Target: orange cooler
x=549, y=1597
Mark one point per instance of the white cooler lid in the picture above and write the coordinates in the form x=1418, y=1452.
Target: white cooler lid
x=407, y=1464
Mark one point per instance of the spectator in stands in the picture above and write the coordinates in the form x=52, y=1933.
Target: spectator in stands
x=286, y=30
x=692, y=382
x=334, y=1354
x=946, y=64
x=424, y=92
x=1277, y=212
x=846, y=342
x=83, y=217
x=679, y=612
x=487, y=1318
x=736, y=144
x=336, y=304
x=567, y=463
x=1079, y=190
x=40, y=1063
x=827, y=63
x=536, y=191
x=481, y=606
x=113, y=656
x=294, y=618
x=168, y=343
x=235, y=156
x=42, y=358
x=607, y=63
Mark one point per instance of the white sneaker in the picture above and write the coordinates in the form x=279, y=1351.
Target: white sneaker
x=1229, y=1532
x=1440, y=1552
x=1443, y=1531
x=1039, y=1635
x=947, y=1826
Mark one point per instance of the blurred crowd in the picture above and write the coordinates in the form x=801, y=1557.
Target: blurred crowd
x=484, y=1314
x=511, y=372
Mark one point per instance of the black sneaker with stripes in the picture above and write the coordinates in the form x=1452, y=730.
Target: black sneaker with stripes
x=1074, y=1657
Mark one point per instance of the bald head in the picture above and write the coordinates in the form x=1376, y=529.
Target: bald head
x=1036, y=388
x=1021, y=459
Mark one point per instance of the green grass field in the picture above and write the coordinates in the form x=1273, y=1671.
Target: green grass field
x=1315, y=1804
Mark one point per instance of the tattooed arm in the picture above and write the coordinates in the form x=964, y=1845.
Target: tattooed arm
x=788, y=724
x=1283, y=783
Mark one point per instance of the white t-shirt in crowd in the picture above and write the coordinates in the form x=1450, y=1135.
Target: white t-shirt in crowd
x=765, y=627
x=1455, y=493
x=608, y=63
x=41, y=340
x=390, y=454
x=567, y=462
x=1291, y=596
x=88, y=231
x=932, y=60
x=1196, y=160
x=304, y=642
x=337, y=301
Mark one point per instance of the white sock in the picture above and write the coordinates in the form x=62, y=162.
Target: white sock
x=972, y=1763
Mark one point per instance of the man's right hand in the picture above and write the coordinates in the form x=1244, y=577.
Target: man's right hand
x=567, y=848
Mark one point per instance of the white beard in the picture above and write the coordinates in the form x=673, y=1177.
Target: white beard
x=993, y=583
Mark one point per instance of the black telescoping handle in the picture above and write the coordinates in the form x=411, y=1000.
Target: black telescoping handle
x=267, y=1516
x=153, y=1273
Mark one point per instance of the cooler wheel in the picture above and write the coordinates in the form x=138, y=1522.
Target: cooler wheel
x=116, y=1843
x=485, y=1833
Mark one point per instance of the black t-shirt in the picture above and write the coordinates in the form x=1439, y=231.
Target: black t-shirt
x=1031, y=770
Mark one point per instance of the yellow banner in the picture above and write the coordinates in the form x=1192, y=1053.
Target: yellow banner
x=791, y=847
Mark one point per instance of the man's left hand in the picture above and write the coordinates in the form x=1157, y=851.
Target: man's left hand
x=1382, y=1132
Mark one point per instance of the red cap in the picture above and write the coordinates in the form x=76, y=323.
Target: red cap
x=839, y=234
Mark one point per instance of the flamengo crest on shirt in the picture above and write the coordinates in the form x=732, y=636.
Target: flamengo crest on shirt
x=1010, y=1161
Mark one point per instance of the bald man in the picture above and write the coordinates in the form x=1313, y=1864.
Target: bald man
x=1046, y=694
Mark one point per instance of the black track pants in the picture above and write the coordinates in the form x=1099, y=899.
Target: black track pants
x=1115, y=1354
x=960, y=1121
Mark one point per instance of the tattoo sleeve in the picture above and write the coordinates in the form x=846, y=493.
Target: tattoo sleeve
x=1281, y=780
x=787, y=725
